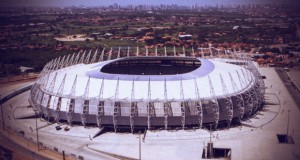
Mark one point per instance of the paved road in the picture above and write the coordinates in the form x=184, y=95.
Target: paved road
x=291, y=88
x=19, y=151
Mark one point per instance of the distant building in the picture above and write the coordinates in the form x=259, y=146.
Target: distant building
x=25, y=69
x=185, y=36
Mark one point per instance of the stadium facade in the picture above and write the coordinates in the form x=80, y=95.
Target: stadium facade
x=150, y=91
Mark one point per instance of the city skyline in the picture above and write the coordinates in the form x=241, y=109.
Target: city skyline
x=95, y=3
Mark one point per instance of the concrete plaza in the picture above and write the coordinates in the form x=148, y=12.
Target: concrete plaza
x=256, y=138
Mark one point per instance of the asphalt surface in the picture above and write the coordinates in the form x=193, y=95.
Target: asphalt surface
x=290, y=87
x=9, y=144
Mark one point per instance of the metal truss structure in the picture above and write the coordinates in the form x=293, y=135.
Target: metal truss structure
x=49, y=100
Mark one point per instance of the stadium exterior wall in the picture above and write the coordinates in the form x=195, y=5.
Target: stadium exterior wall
x=194, y=112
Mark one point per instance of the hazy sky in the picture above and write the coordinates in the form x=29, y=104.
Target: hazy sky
x=63, y=3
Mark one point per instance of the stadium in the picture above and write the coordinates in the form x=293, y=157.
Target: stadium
x=127, y=90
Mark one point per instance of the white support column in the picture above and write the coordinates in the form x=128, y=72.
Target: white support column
x=182, y=105
x=63, y=61
x=87, y=59
x=199, y=104
x=257, y=96
x=45, y=80
x=58, y=98
x=239, y=98
x=228, y=102
x=52, y=84
x=48, y=67
x=214, y=104
x=70, y=60
x=242, y=83
x=71, y=106
x=248, y=101
x=259, y=79
x=51, y=90
x=76, y=60
x=247, y=77
x=85, y=105
x=133, y=108
x=43, y=73
x=110, y=54
x=102, y=55
x=156, y=51
x=147, y=51
x=65, y=64
x=166, y=106
x=56, y=64
x=183, y=51
x=137, y=51
x=251, y=92
x=255, y=93
x=119, y=52
x=100, y=109
x=82, y=57
x=148, y=105
x=93, y=60
x=116, y=107
x=174, y=50
x=51, y=65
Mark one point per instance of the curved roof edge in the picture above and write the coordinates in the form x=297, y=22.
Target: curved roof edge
x=205, y=68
